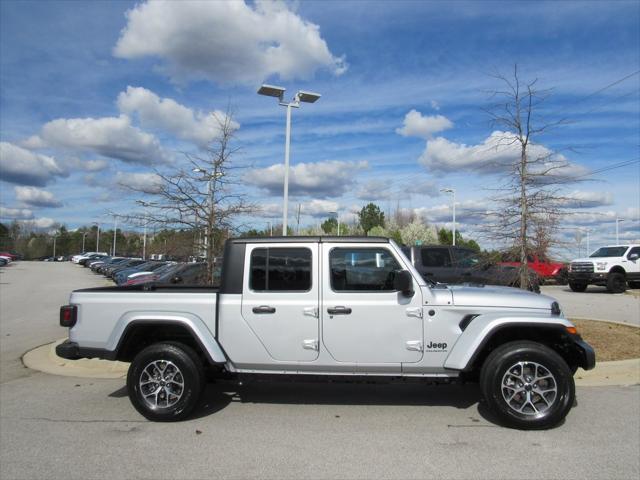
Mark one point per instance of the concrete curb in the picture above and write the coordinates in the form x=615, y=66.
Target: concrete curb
x=44, y=359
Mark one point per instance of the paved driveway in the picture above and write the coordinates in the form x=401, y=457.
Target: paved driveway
x=62, y=427
x=596, y=303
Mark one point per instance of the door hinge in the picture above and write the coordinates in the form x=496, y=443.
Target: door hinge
x=414, y=312
x=415, y=345
x=311, y=312
x=310, y=344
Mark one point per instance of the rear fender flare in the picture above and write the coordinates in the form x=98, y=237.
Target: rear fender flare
x=473, y=339
x=191, y=322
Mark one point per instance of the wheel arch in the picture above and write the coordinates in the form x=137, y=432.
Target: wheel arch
x=134, y=334
x=618, y=269
x=468, y=354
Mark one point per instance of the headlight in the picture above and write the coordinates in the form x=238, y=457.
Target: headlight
x=569, y=267
x=601, y=265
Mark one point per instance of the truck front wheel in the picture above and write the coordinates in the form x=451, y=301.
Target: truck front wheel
x=577, y=286
x=616, y=283
x=527, y=385
x=165, y=381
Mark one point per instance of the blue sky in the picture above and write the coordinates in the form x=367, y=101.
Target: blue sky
x=94, y=95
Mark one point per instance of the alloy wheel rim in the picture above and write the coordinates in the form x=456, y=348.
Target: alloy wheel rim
x=161, y=384
x=529, y=388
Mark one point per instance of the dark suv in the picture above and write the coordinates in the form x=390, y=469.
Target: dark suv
x=448, y=264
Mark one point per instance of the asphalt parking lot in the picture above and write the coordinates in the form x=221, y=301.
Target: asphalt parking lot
x=65, y=427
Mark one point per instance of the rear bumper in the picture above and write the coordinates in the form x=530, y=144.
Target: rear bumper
x=72, y=351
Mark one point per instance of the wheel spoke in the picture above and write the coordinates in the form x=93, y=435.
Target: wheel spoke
x=529, y=388
x=161, y=384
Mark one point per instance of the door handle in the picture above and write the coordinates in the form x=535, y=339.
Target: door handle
x=262, y=309
x=339, y=311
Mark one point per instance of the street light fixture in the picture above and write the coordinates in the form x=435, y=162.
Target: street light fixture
x=301, y=96
x=453, y=192
x=618, y=220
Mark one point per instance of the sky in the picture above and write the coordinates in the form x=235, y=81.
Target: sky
x=97, y=96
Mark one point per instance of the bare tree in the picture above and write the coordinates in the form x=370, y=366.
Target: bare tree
x=202, y=196
x=528, y=198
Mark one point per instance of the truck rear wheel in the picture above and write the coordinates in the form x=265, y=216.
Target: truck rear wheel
x=616, y=283
x=165, y=381
x=527, y=385
x=577, y=286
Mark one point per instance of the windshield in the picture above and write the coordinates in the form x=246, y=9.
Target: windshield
x=609, y=252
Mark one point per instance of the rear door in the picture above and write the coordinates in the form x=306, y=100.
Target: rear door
x=281, y=298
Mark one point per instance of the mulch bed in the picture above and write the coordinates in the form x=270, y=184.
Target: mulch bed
x=611, y=341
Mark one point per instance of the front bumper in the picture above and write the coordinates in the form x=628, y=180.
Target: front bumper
x=586, y=354
x=588, y=277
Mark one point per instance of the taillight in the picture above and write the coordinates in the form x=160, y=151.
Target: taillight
x=68, y=315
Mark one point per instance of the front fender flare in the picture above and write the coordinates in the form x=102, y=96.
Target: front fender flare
x=483, y=327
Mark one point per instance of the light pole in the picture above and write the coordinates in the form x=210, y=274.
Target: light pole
x=83, y=237
x=618, y=220
x=54, y=247
x=97, y=237
x=301, y=96
x=337, y=215
x=115, y=232
x=453, y=192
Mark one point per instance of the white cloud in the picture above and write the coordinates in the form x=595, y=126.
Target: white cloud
x=468, y=211
x=42, y=223
x=167, y=114
x=226, y=41
x=493, y=155
x=36, y=197
x=15, y=213
x=319, y=208
x=140, y=182
x=112, y=137
x=24, y=167
x=322, y=179
x=374, y=190
x=581, y=199
x=417, y=125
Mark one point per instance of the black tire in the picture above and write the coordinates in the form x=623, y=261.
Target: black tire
x=501, y=367
x=578, y=286
x=562, y=278
x=175, y=357
x=616, y=283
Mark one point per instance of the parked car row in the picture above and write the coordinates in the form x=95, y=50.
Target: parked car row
x=6, y=258
x=127, y=271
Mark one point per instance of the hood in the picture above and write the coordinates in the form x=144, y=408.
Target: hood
x=495, y=296
x=589, y=259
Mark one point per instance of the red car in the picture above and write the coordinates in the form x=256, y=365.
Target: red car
x=545, y=268
x=12, y=256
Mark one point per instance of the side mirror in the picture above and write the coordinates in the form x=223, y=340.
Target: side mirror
x=634, y=256
x=403, y=282
x=176, y=279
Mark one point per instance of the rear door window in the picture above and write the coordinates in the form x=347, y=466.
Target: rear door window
x=280, y=269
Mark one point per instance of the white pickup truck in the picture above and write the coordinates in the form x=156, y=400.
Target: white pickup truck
x=330, y=307
x=613, y=267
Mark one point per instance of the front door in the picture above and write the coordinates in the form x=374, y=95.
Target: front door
x=364, y=320
x=282, y=299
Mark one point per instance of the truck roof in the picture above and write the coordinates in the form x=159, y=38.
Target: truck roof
x=309, y=239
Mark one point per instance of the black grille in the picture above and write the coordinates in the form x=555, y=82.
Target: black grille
x=582, y=267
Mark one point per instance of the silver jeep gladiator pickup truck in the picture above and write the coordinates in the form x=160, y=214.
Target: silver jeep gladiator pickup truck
x=330, y=307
